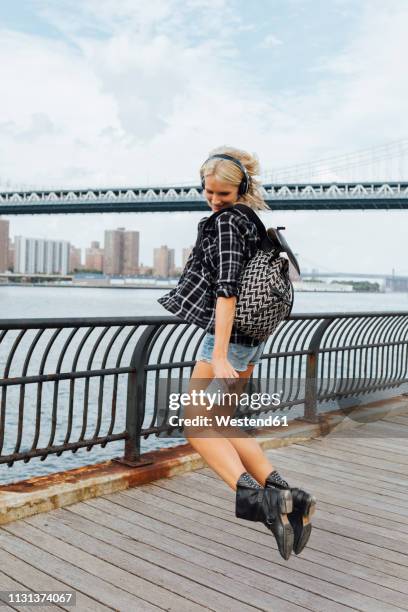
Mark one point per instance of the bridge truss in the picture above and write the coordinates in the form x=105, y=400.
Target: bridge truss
x=314, y=196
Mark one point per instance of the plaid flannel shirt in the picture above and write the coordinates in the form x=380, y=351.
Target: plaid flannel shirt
x=214, y=269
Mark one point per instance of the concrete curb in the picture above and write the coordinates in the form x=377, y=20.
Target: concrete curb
x=45, y=493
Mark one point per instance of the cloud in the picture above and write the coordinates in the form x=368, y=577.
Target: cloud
x=270, y=41
x=128, y=82
x=134, y=92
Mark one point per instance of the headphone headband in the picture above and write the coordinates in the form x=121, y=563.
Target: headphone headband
x=246, y=179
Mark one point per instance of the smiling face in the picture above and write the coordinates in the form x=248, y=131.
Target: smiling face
x=219, y=194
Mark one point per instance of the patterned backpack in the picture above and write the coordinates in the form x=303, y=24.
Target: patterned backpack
x=266, y=292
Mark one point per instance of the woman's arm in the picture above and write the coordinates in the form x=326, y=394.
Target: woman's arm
x=224, y=319
x=230, y=251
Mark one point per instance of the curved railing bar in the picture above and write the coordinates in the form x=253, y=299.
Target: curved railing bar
x=349, y=354
x=4, y=390
x=169, y=377
x=388, y=351
x=116, y=378
x=40, y=386
x=400, y=339
x=56, y=386
x=72, y=381
x=34, y=343
x=102, y=381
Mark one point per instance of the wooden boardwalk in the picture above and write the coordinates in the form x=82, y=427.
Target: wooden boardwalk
x=176, y=545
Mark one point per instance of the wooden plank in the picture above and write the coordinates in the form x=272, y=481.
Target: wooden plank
x=343, y=496
x=384, y=429
x=355, y=490
x=352, y=481
x=348, y=523
x=339, y=492
x=248, y=562
x=334, y=514
x=389, y=444
x=360, y=534
x=310, y=569
x=366, y=450
x=341, y=467
x=351, y=478
x=326, y=560
x=347, y=550
x=150, y=547
x=163, y=488
x=125, y=553
x=164, y=536
x=175, y=544
x=36, y=580
x=399, y=420
x=307, y=582
x=96, y=565
x=354, y=458
x=73, y=577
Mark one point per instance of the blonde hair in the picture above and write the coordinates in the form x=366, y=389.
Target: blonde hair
x=225, y=170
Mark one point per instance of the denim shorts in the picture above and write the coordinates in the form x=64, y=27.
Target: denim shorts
x=239, y=355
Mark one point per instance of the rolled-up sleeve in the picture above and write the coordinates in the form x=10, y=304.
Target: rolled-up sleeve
x=230, y=256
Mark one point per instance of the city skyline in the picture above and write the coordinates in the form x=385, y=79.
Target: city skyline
x=93, y=252
x=346, y=223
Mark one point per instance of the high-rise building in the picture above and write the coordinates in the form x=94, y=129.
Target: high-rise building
x=131, y=253
x=185, y=255
x=11, y=255
x=121, y=252
x=94, y=257
x=75, y=256
x=38, y=256
x=4, y=245
x=163, y=261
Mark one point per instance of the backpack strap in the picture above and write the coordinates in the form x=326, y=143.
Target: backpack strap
x=270, y=239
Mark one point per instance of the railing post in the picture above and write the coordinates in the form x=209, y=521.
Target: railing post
x=135, y=403
x=312, y=363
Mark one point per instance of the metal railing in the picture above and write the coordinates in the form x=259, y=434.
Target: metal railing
x=83, y=383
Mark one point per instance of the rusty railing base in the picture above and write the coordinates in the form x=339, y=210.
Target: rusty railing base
x=135, y=463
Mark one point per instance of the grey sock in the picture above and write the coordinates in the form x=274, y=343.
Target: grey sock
x=247, y=478
x=276, y=479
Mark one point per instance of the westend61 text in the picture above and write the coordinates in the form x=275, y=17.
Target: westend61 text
x=255, y=401
x=228, y=421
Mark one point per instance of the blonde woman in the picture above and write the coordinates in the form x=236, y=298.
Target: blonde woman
x=206, y=295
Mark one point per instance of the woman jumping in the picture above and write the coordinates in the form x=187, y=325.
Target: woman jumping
x=206, y=295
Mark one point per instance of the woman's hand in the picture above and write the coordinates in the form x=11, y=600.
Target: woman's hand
x=223, y=369
x=224, y=318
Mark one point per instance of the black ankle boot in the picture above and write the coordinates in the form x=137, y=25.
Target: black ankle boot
x=269, y=506
x=303, y=507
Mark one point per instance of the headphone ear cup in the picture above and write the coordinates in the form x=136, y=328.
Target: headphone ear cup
x=243, y=187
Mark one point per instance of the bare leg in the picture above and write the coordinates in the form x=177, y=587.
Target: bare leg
x=228, y=457
x=250, y=452
x=221, y=456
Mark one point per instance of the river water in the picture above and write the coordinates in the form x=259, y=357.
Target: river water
x=28, y=302
x=45, y=302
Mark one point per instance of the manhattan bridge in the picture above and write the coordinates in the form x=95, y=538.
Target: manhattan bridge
x=368, y=179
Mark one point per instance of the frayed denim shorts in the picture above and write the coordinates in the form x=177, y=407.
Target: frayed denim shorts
x=239, y=355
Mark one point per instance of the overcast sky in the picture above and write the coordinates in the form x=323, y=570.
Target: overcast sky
x=112, y=92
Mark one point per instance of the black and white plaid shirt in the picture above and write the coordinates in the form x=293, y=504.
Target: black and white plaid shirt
x=223, y=248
